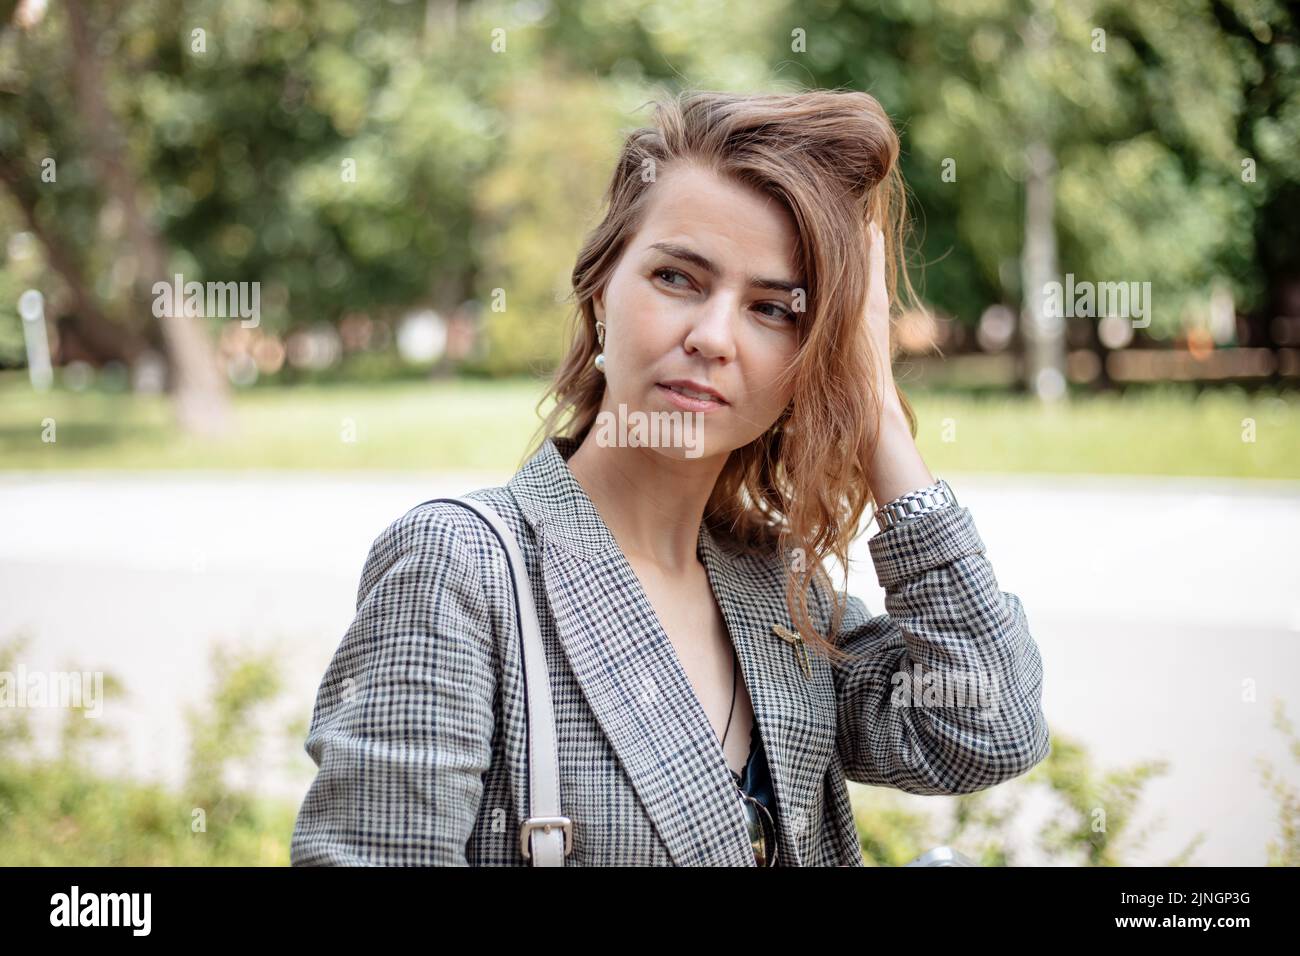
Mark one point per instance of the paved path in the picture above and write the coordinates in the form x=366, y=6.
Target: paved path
x=1154, y=602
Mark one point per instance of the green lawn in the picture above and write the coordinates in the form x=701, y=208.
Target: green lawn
x=486, y=425
x=461, y=424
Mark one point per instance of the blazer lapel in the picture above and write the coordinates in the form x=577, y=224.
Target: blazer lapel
x=795, y=712
x=632, y=680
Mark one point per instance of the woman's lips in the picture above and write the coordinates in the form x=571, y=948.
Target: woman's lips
x=688, y=404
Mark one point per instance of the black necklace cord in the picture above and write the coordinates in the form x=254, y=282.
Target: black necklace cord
x=732, y=710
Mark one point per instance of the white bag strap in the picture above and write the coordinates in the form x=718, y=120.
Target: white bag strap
x=546, y=837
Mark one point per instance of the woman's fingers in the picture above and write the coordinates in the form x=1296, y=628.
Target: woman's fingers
x=878, y=297
x=877, y=317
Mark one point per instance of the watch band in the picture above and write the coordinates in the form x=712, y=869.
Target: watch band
x=914, y=504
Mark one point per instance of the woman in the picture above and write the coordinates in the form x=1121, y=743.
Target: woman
x=712, y=690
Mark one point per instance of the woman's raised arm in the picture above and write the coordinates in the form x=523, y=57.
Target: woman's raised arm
x=944, y=695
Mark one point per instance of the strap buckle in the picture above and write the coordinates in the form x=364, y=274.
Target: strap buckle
x=545, y=824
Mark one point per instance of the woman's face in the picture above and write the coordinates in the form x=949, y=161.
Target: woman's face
x=704, y=294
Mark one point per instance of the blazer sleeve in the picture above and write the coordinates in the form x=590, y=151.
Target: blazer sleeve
x=402, y=726
x=947, y=626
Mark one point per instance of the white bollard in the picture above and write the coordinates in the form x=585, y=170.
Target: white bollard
x=31, y=306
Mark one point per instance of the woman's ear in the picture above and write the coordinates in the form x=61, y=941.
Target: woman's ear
x=598, y=303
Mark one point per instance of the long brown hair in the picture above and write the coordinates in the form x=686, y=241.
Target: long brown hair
x=830, y=157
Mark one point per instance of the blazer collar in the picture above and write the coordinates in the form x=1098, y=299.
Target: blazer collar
x=631, y=676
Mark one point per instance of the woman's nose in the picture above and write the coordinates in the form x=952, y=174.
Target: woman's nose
x=712, y=332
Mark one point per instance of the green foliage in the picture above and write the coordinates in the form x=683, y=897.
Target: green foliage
x=12, y=350
x=1090, y=821
x=479, y=166
x=247, y=147
x=888, y=834
x=1149, y=135
x=1285, y=851
x=56, y=811
x=225, y=732
x=1093, y=825
x=536, y=206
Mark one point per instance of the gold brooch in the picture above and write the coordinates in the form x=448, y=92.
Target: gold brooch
x=801, y=649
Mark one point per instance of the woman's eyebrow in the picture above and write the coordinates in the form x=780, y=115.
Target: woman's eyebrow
x=693, y=257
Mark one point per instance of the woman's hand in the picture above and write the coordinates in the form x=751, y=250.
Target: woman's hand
x=878, y=320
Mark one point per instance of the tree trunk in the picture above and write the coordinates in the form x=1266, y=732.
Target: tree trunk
x=103, y=338
x=1044, y=335
x=199, y=391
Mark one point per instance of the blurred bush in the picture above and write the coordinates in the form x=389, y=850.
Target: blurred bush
x=55, y=811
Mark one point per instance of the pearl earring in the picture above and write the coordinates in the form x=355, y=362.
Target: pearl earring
x=599, y=360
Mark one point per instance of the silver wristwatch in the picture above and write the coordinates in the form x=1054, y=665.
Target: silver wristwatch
x=916, y=503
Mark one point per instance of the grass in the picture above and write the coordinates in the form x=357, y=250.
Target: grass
x=483, y=425
x=433, y=425
x=1160, y=432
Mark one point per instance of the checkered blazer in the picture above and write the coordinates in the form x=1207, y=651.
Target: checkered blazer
x=419, y=728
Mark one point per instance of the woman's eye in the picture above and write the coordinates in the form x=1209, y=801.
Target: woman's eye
x=781, y=311
x=660, y=273
x=667, y=275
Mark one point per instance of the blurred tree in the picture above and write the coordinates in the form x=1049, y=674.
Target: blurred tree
x=197, y=386
x=382, y=158
x=51, y=181
x=563, y=129
x=325, y=150
x=534, y=208
x=88, y=125
x=1137, y=108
